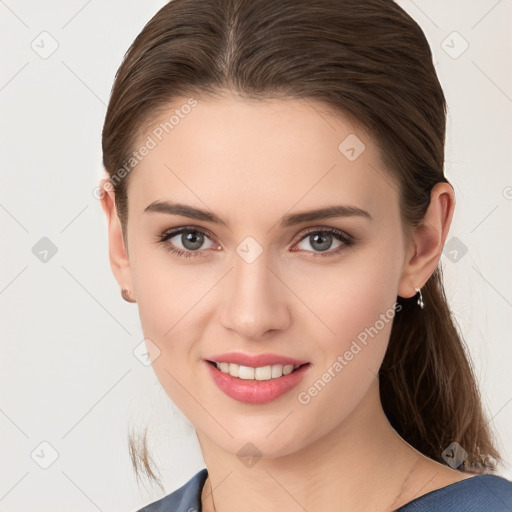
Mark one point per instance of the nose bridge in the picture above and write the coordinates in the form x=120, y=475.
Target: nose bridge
x=256, y=300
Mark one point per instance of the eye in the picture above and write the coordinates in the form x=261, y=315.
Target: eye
x=321, y=240
x=186, y=241
x=189, y=242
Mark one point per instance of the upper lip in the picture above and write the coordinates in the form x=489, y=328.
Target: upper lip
x=255, y=360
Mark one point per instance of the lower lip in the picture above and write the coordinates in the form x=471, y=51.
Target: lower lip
x=256, y=391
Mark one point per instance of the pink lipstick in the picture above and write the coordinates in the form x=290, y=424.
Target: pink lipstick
x=255, y=379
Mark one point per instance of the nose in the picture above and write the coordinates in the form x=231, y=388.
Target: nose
x=256, y=299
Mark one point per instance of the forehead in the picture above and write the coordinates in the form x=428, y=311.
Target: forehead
x=256, y=153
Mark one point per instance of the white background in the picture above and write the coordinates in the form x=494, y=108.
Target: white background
x=68, y=374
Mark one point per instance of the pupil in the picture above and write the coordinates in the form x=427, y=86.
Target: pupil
x=192, y=240
x=323, y=241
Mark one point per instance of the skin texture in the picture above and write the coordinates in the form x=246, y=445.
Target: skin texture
x=252, y=162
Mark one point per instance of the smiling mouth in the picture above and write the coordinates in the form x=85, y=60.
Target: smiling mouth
x=269, y=372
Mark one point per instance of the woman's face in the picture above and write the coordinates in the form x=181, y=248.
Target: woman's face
x=268, y=281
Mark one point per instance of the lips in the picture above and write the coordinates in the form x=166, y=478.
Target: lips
x=255, y=391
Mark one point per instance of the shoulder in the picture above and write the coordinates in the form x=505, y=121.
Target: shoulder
x=491, y=493
x=185, y=499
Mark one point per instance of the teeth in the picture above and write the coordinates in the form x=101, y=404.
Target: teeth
x=261, y=373
x=277, y=371
x=232, y=368
x=287, y=369
x=246, y=372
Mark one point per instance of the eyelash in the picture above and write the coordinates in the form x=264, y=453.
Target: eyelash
x=347, y=240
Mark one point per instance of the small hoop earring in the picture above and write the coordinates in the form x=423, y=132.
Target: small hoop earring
x=420, y=302
x=126, y=295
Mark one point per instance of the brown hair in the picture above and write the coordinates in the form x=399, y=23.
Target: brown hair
x=370, y=61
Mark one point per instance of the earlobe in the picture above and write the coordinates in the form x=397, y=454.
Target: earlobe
x=118, y=255
x=428, y=241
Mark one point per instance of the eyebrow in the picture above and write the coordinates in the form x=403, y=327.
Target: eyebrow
x=289, y=220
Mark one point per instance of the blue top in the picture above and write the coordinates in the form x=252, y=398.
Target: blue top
x=480, y=493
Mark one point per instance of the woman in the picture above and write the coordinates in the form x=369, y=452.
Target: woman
x=277, y=208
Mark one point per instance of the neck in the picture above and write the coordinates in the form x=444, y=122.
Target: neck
x=362, y=464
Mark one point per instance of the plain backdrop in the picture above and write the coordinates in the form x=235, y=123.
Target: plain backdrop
x=71, y=385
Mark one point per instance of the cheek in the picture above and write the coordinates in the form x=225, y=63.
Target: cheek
x=349, y=296
x=356, y=302
x=171, y=301
x=166, y=290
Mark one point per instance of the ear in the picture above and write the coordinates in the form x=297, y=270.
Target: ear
x=428, y=240
x=118, y=253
